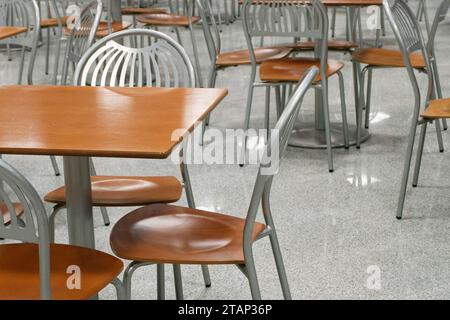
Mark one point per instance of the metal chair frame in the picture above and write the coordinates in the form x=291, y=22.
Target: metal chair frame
x=160, y=61
x=285, y=18
x=410, y=39
x=33, y=226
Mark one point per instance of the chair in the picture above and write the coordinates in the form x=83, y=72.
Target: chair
x=109, y=26
x=381, y=58
x=151, y=59
x=133, y=8
x=82, y=36
x=181, y=15
x=410, y=39
x=172, y=234
x=295, y=20
x=36, y=269
x=223, y=60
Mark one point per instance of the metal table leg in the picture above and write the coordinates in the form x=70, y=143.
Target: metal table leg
x=79, y=201
x=116, y=10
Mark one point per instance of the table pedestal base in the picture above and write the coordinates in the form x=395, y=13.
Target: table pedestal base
x=307, y=136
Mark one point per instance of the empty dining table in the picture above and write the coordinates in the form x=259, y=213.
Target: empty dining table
x=82, y=122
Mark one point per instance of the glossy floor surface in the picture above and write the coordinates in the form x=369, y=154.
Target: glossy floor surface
x=337, y=231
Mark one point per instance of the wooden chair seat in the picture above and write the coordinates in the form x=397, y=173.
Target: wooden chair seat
x=108, y=191
x=6, y=216
x=7, y=32
x=103, y=29
x=134, y=11
x=386, y=58
x=333, y=45
x=19, y=271
x=53, y=22
x=292, y=69
x=166, y=19
x=437, y=109
x=171, y=234
x=242, y=57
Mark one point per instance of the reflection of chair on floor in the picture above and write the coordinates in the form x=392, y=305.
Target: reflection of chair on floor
x=153, y=60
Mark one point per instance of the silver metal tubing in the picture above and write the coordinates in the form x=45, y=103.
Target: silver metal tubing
x=343, y=109
x=79, y=201
x=128, y=275
x=326, y=116
x=178, y=282
x=160, y=280
x=251, y=274
x=267, y=112
x=423, y=132
x=368, y=97
x=51, y=221
x=55, y=165
x=360, y=108
x=248, y=110
x=437, y=124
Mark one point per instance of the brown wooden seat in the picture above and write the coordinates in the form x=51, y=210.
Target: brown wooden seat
x=134, y=11
x=386, y=58
x=53, y=22
x=437, y=109
x=103, y=28
x=6, y=216
x=242, y=57
x=292, y=69
x=166, y=19
x=334, y=45
x=172, y=234
x=7, y=32
x=110, y=191
x=19, y=271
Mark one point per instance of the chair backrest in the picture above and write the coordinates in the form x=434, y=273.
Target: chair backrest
x=410, y=39
x=273, y=153
x=441, y=14
x=287, y=18
x=210, y=29
x=151, y=59
x=32, y=226
x=21, y=13
x=82, y=35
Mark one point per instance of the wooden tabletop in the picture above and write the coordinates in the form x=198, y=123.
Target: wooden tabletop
x=104, y=122
x=6, y=32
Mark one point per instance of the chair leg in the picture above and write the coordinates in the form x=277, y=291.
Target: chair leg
x=127, y=276
x=406, y=167
x=267, y=113
x=343, y=110
x=247, y=117
x=211, y=84
x=326, y=113
x=438, y=87
x=196, y=58
x=55, y=165
x=278, y=101
x=47, y=51
x=280, y=266
x=252, y=277
x=423, y=132
x=178, y=282
x=333, y=23
x=120, y=290
x=360, y=108
x=437, y=124
x=22, y=62
x=160, y=281
x=368, y=97
x=105, y=216
x=356, y=87
x=51, y=221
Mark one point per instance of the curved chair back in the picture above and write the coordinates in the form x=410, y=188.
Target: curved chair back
x=150, y=59
x=272, y=156
x=410, y=39
x=287, y=18
x=82, y=35
x=32, y=226
x=210, y=29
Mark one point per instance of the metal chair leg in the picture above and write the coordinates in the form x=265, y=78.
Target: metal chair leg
x=127, y=276
x=105, y=216
x=47, y=51
x=406, y=167
x=437, y=124
x=161, y=286
x=248, y=110
x=55, y=165
x=22, y=62
x=423, y=132
x=120, y=290
x=326, y=113
x=51, y=221
x=280, y=266
x=368, y=97
x=333, y=23
x=267, y=113
x=278, y=100
x=360, y=108
x=343, y=110
x=178, y=282
x=252, y=277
